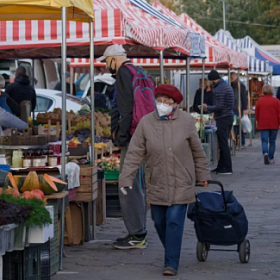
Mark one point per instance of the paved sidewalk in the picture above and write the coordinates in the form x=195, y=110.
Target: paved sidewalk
x=255, y=185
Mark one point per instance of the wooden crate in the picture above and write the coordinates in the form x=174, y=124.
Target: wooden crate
x=87, y=188
x=86, y=197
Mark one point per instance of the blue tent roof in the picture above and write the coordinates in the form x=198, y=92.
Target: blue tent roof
x=256, y=65
x=249, y=44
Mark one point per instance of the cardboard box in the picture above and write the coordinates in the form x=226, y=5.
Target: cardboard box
x=77, y=224
x=40, y=235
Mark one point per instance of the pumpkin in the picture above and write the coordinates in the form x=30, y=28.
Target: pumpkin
x=10, y=181
x=3, y=175
x=31, y=182
x=58, y=183
x=38, y=193
x=19, y=180
x=47, y=185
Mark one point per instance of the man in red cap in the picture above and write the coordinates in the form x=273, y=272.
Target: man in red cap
x=168, y=142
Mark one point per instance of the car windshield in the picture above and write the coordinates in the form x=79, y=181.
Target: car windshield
x=74, y=99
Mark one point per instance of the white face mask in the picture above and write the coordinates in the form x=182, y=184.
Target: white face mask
x=163, y=109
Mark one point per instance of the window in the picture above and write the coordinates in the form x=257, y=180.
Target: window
x=83, y=82
x=43, y=104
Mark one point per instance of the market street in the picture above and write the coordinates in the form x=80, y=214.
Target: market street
x=257, y=188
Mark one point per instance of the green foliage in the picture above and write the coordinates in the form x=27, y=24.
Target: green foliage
x=244, y=17
x=38, y=216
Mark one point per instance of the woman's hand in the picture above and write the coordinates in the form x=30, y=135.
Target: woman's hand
x=203, y=184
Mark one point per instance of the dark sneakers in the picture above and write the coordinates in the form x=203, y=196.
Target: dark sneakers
x=120, y=239
x=266, y=159
x=131, y=242
x=221, y=171
x=169, y=271
x=224, y=172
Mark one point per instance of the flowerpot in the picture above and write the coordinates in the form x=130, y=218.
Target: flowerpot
x=38, y=235
x=20, y=236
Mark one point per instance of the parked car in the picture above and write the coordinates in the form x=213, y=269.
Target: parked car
x=48, y=100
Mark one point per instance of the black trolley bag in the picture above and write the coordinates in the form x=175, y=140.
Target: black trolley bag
x=219, y=219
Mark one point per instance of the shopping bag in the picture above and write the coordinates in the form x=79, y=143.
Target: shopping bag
x=246, y=124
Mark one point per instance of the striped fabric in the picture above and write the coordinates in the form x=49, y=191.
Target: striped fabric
x=255, y=65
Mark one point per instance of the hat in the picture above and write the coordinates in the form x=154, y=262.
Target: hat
x=114, y=50
x=213, y=75
x=170, y=91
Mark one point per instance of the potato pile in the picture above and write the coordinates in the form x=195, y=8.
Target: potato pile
x=56, y=115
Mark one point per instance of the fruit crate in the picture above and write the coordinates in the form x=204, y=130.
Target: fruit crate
x=112, y=175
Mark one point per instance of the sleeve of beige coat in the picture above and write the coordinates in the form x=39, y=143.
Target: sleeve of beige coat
x=134, y=157
x=200, y=161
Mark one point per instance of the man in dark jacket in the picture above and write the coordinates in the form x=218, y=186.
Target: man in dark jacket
x=21, y=90
x=58, y=86
x=235, y=83
x=223, y=113
x=133, y=204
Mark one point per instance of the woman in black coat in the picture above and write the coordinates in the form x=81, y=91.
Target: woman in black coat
x=208, y=96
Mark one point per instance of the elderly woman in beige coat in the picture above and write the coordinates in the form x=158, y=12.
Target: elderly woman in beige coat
x=167, y=141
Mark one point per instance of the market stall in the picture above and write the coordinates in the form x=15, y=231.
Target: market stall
x=30, y=10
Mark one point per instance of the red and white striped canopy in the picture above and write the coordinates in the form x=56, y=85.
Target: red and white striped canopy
x=216, y=53
x=116, y=22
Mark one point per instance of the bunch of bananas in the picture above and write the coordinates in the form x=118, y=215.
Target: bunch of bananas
x=99, y=146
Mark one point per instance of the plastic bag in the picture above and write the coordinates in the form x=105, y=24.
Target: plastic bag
x=246, y=124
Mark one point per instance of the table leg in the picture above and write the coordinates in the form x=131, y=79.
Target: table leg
x=61, y=234
x=93, y=219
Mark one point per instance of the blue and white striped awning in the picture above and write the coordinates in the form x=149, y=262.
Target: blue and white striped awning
x=255, y=65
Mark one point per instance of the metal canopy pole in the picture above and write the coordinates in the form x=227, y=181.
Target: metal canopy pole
x=202, y=98
x=239, y=110
x=161, y=67
x=92, y=119
x=249, y=105
x=228, y=75
x=187, y=95
x=63, y=125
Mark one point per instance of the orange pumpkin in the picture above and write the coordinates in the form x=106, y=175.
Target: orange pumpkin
x=10, y=181
x=31, y=182
x=38, y=193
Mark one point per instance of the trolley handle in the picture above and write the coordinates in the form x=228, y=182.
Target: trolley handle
x=212, y=182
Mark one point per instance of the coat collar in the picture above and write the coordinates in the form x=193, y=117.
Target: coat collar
x=175, y=115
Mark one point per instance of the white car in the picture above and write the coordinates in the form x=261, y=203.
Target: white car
x=48, y=100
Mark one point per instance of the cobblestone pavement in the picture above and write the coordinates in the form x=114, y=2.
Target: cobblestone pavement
x=255, y=185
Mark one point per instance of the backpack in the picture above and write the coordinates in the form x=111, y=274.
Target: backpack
x=144, y=95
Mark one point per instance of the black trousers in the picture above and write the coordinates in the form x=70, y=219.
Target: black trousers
x=223, y=130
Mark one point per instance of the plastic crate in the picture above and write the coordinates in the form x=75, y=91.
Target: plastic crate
x=31, y=264
x=113, y=207
x=2, y=241
x=207, y=151
x=112, y=175
x=54, y=244
x=112, y=189
x=20, y=237
x=9, y=232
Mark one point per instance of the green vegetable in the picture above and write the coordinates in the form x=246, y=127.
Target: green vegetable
x=38, y=216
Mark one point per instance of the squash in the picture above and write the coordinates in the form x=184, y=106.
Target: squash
x=19, y=180
x=58, y=183
x=10, y=182
x=31, y=182
x=3, y=175
x=47, y=185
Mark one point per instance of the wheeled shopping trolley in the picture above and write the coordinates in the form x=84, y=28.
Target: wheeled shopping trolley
x=219, y=219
